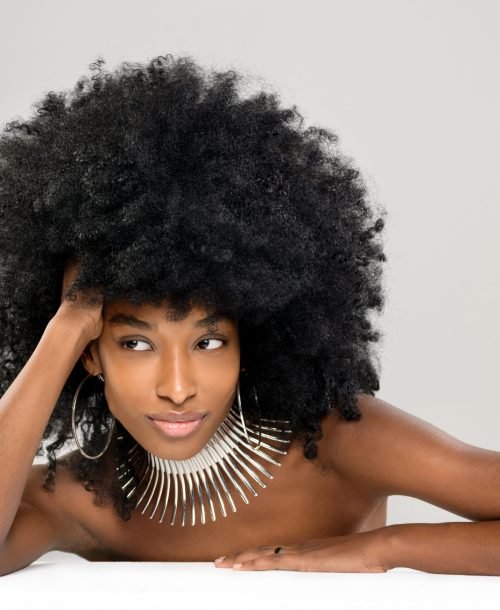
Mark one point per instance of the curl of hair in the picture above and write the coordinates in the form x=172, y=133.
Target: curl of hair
x=165, y=180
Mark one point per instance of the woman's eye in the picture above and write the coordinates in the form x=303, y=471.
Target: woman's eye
x=204, y=341
x=131, y=344
x=137, y=345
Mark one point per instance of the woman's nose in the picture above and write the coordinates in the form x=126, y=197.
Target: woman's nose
x=175, y=378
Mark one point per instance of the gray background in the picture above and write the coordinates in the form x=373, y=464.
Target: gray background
x=411, y=88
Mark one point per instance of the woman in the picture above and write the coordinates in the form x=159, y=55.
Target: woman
x=188, y=278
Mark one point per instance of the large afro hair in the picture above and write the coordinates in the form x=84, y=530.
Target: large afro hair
x=165, y=179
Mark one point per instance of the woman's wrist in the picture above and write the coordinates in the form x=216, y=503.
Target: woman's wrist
x=69, y=330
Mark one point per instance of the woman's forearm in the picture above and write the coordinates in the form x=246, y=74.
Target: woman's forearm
x=443, y=548
x=25, y=409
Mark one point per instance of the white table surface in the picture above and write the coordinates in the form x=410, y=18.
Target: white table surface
x=66, y=583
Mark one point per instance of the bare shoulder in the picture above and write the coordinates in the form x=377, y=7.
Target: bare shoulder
x=375, y=413
x=371, y=449
x=382, y=447
x=47, y=520
x=65, y=505
x=392, y=452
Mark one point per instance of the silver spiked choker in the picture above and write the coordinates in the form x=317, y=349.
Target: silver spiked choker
x=201, y=482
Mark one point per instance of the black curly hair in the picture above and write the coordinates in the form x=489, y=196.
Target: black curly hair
x=164, y=179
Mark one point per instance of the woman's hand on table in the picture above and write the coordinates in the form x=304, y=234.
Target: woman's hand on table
x=361, y=552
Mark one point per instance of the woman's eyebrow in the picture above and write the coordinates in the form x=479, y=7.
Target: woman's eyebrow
x=211, y=319
x=130, y=320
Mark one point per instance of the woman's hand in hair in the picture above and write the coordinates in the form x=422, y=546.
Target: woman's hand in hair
x=80, y=307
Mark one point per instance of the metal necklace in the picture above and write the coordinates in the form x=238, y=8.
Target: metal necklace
x=197, y=480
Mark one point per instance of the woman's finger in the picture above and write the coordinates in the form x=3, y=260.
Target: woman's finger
x=285, y=560
x=245, y=556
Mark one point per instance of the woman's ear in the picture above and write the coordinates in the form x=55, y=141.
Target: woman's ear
x=90, y=359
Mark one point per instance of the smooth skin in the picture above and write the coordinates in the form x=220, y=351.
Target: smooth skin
x=178, y=366
x=327, y=514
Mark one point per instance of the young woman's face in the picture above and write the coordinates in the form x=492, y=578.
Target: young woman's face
x=158, y=372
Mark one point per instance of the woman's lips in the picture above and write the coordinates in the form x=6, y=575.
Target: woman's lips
x=177, y=429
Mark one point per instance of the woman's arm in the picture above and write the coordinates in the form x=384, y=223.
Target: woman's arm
x=443, y=548
x=25, y=409
x=394, y=453
x=439, y=548
x=413, y=458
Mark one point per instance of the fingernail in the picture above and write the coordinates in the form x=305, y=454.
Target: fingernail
x=219, y=559
x=237, y=565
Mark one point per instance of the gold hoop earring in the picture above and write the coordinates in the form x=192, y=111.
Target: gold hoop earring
x=73, y=426
x=256, y=447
